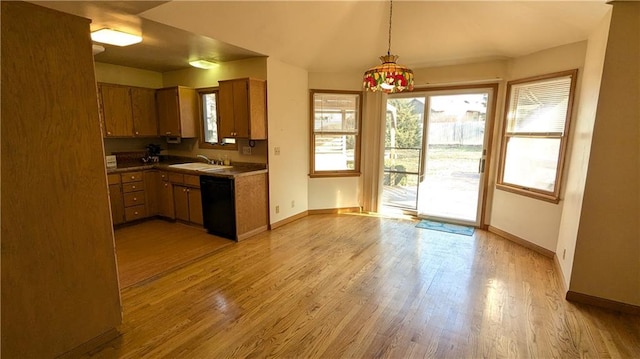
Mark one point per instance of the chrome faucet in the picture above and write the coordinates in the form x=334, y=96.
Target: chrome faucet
x=211, y=162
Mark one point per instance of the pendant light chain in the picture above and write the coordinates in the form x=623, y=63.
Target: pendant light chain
x=390, y=16
x=388, y=77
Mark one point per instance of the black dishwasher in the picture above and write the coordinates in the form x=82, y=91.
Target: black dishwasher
x=218, y=206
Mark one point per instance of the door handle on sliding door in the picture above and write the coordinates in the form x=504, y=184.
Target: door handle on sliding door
x=481, y=165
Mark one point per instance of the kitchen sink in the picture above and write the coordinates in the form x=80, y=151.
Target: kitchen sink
x=199, y=166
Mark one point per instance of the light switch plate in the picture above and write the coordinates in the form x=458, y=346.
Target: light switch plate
x=246, y=150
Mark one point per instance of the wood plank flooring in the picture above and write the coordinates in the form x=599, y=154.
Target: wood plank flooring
x=150, y=249
x=357, y=286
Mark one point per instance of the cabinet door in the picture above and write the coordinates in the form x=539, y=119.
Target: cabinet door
x=116, y=111
x=195, y=206
x=181, y=202
x=257, y=109
x=168, y=112
x=143, y=107
x=241, y=108
x=165, y=201
x=152, y=189
x=225, y=110
x=189, y=114
x=117, y=203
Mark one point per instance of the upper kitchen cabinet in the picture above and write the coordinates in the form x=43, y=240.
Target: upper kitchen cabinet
x=177, y=111
x=143, y=106
x=128, y=111
x=243, y=109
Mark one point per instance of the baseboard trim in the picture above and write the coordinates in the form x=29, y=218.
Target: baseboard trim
x=603, y=303
x=563, y=286
x=335, y=210
x=91, y=345
x=289, y=220
x=523, y=242
x=252, y=232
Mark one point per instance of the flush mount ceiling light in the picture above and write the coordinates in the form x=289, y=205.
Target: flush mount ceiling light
x=203, y=64
x=115, y=37
x=388, y=77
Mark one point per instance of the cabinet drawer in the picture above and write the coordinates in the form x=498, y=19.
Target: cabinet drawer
x=131, y=177
x=135, y=212
x=192, y=180
x=176, y=178
x=134, y=198
x=132, y=186
x=113, y=178
x=164, y=176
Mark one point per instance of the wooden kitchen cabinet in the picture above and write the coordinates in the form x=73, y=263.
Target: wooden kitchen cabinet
x=252, y=205
x=127, y=196
x=134, y=196
x=165, y=199
x=115, y=105
x=143, y=108
x=128, y=111
x=243, y=109
x=152, y=190
x=177, y=111
x=187, y=198
x=116, y=199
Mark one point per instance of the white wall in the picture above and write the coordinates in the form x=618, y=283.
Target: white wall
x=335, y=192
x=607, y=255
x=578, y=152
x=288, y=108
x=530, y=219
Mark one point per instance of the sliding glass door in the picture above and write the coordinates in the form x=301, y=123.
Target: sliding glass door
x=435, y=153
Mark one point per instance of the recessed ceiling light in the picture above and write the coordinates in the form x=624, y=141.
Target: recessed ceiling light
x=115, y=37
x=203, y=64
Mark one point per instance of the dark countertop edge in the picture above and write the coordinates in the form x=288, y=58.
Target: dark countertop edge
x=238, y=170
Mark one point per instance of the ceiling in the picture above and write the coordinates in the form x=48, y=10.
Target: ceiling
x=339, y=35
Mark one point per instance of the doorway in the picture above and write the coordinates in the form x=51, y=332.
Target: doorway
x=436, y=147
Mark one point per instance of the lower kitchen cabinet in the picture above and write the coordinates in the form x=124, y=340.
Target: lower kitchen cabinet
x=127, y=197
x=115, y=198
x=159, y=194
x=188, y=204
x=252, y=205
x=187, y=198
x=165, y=199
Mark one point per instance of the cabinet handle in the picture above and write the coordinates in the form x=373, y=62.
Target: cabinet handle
x=134, y=199
x=168, y=132
x=166, y=185
x=136, y=213
x=133, y=177
x=137, y=133
x=134, y=187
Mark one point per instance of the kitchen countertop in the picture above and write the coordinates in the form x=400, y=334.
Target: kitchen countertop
x=238, y=170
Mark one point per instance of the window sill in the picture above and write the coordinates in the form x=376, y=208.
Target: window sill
x=528, y=193
x=334, y=174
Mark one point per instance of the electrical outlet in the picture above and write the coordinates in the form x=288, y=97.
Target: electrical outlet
x=277, y=209
x=293, y=204
x=276, y=151
x=564, y=253
x=246, y=150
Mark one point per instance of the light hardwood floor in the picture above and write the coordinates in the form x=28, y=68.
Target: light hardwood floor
x=153, y=248
x=356, y=286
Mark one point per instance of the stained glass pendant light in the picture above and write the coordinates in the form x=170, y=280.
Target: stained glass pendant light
x=388, y=77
